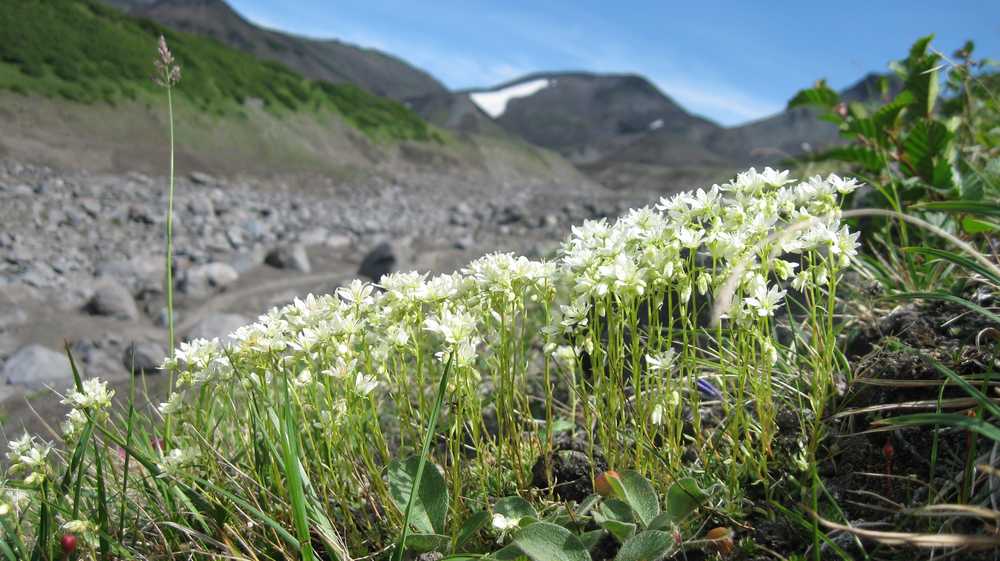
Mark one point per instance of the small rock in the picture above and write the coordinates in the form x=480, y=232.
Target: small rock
x=292, y=257
x=91, y=206
x=200, y=178
x=465, y=242
x=338, y=241
x=141, y=273
x=35, y=367
x=314, y=236
x=143, y=358
x=111, y=299
x=379, y=262
x=219, y=326
x=203, y=280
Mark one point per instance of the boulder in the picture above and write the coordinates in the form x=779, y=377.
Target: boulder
x=112, y=299
x=143, y=358
x=290, y=257
x=142, y=273
x=201, y=281
x=219, y=326
x=379, y=262
x=35, y=367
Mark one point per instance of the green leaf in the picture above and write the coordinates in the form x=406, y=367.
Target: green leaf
x=960, y=260
x=683, y=498
x=422, y=543
x=965, y=207
x=590, y=539
x=547, y=542
x=865, y=157
x=508, y=553
x=293, y=475
x=885, y=116
x=471, y=526
x=613, y=509
x=638, y=492
x=430, y=508
x=622, y=531
x=989, y=430
x=974, y=226
x=819, y=95
x=923, y=145
x=650, y=545
x=515, y=507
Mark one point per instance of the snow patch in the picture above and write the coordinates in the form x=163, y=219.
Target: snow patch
x=495, y=103
x=656, y=124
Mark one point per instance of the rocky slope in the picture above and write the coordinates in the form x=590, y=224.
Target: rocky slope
x=81, y=255
x=327, y=60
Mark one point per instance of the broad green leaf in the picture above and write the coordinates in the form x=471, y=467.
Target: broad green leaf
x=638, y=492
x=622, y=531
x=650, y=545
x=613, y=509
x=590, y=539
x=471, y=526
x=430, y=509
x=508, y=553
x=683, y=498
x=422, y=543
x=547, y=542
x=515, y=507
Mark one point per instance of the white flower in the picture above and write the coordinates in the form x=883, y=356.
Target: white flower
x=454, y=327
x=364, y=384
x=662, y=362
x=502, y=523
x=173, y=404
x=764, y=300
x=94, y=396
x=656, y=415
x=358, y=293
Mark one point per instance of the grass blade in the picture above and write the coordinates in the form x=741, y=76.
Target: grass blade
x=289, y=444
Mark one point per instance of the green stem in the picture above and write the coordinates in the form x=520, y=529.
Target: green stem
x=397, y=555
x=170, y=265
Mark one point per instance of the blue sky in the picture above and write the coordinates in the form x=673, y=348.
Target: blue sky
x=730, y=61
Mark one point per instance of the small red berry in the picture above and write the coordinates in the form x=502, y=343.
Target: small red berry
x=602, y=484
x=887, y=450
x=68, y=543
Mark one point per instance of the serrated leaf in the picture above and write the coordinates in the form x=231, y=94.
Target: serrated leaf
x=923, y=145
x=683, y=498
x=650, y=545
x=515, y=507
x=638, y=492
x=547, y=542
x=819, y=95
x=430, y=509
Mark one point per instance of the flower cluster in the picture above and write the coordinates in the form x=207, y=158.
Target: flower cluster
x=28, y=455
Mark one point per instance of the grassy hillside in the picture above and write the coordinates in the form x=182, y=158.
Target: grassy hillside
x=84, y=51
